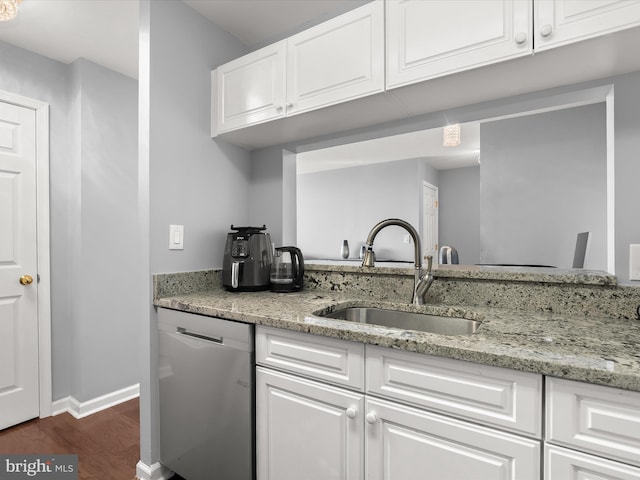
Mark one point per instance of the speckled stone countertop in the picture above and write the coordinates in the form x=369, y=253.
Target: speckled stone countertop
x=599, y=350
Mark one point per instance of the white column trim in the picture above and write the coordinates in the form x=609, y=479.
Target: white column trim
x=156, y=471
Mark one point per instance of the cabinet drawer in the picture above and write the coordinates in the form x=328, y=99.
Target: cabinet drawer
x=331, y=360
x=494, y=396
x=561, y=464
x=595, y=419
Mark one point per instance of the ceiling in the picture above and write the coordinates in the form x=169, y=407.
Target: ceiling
x=425, y=144
x=106, y=32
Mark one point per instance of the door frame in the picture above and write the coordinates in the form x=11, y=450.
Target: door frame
x=41, y=110
x=435, y=188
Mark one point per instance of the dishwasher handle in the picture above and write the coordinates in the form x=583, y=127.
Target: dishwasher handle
x=184, y=331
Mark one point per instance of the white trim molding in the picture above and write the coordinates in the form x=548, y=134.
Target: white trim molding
x=42, y=220
x=156, y=471
x=84, y=409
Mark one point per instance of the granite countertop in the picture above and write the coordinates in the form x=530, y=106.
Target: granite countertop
x=602, y=351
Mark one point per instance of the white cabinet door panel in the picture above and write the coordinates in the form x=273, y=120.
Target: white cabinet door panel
x=327, y=359
x=336, y=61
x=489, y=395
x=409, y=444
x=559, y=22
x=564, y=464
x=251, y=89
x=596, y=419
x=306, y=430
x=427, y=39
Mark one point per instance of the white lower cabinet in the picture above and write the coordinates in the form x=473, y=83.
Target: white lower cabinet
x=309, y=430
x=312, y=426
x=306, y=430
x=405, y=443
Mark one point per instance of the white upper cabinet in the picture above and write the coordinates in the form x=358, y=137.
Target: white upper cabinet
x=336, y=61
x=440, y=37
x=250, y=89
x=559, y=22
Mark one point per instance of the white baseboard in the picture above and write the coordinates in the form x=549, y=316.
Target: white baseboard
x=153, y=472
x=83, y=409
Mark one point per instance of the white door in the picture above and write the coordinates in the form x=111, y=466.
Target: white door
x=19, y=388
x=405, y=443
x=306, y=430
x=430, y=221
x=559, y=22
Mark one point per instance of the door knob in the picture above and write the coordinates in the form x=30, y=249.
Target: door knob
x=26, y=279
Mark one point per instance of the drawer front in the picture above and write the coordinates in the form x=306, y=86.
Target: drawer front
x=595, y=419
x=563, y=464
x=328, y=359
x=489, y=395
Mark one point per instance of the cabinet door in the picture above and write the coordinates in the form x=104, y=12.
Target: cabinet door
x=558, y=22
x=251, y=89
x=307, y=430
x=409, y=444
x=338, y=60
x=563, y=464
x=440, y=37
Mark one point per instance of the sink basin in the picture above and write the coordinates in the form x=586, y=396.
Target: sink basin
x=407, y=320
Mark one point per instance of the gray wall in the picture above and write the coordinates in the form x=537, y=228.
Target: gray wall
x=195, y=181
x=105, y=335
x=459, y=212
x=186, y=177
x=95, y=340
x=542, y=181
x=346, y=203
x=267, y=192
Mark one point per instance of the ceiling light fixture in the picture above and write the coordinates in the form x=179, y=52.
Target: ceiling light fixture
x=8, y=9
x=451, y=135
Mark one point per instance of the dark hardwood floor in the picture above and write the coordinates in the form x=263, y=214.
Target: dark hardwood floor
x=107, y=443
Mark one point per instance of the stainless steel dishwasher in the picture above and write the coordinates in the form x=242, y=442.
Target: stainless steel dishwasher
x=207, y=411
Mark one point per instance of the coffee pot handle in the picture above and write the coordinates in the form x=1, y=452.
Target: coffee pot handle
x=298, y=265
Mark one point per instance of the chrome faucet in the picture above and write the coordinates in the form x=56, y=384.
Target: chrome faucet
x=421, y=281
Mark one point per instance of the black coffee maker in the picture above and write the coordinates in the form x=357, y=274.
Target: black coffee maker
x=246, y=265
x=287, y=270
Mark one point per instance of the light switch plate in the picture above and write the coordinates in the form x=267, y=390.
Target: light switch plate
x=176, y=237
x=634, y=262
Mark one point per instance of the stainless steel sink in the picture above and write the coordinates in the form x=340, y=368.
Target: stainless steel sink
x=423, y=322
